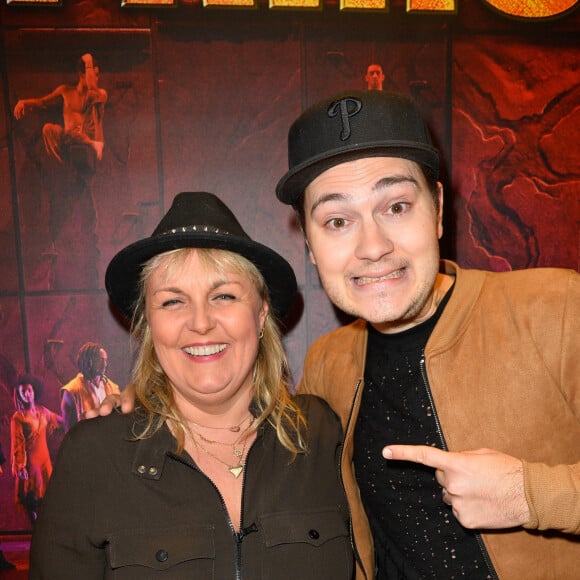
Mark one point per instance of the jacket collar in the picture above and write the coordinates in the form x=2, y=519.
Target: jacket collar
x=457, y=314
x=151, y=453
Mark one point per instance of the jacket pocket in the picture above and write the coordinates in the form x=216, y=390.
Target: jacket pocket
x=310, y=544
x=182, y=551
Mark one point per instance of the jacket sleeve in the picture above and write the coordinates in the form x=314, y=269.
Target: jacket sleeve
x=553, y=492
x=61, y=544
x=553, y=495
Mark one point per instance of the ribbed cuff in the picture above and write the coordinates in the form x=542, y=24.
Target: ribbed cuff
x=553, y=496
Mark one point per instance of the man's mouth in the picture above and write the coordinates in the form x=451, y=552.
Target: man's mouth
x=364, y=280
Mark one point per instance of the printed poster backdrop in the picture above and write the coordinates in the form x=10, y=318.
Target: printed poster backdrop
x=202, y=100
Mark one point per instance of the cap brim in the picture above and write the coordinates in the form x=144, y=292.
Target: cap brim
x=292, y=185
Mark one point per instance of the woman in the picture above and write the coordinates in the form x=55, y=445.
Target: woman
x=218, y=473
x=29, y=427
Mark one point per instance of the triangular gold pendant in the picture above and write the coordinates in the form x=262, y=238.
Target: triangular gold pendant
x=236, y=470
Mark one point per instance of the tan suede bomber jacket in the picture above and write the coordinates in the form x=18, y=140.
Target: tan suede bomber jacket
x=503, y=366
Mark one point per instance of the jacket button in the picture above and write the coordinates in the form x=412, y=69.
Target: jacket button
x=313, y=534
x=161, y=556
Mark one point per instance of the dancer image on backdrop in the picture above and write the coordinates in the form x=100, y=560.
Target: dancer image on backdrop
x=89, y=387
x=30, y=426
x=218, y=473
x=60, y=162
x=83, y=108
x=375, y=77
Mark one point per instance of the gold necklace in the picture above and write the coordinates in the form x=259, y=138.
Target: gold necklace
x=235, y=470
x=235, y=449
x=232, y=428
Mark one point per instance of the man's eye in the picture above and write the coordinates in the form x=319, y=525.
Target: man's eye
x=336, y=223
x=398, y=208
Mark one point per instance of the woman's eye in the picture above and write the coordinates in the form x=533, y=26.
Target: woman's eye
x=225, y=296
x=170, y=302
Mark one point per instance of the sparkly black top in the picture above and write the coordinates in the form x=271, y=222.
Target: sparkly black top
x=416, y=535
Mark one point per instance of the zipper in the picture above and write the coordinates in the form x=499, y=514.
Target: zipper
x=351, y=530
x=478, y=538
x=237, y=536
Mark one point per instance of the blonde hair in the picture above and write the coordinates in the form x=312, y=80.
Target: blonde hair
x=270, y=372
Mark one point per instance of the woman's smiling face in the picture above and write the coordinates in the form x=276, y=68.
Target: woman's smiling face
x=205, y=324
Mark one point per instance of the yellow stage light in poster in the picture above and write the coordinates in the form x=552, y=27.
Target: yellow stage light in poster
x=298, y=4
x=25, y=2
x=531, y=8
x=230, y=3
x=149, y=3
x=382, y=5
x=448, y=6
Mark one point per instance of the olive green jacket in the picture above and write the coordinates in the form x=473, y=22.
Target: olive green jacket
x=503, y=366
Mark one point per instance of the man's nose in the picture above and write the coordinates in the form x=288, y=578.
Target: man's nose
x=374, y=241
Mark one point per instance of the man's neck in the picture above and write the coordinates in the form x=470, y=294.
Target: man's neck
x=443, y=283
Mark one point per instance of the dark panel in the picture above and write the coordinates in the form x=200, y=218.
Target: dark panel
x=75, y=212
x=12, y=361
x=226, y=103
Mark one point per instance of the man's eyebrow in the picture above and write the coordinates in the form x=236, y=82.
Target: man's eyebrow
x=391, y=180
x=326, y=198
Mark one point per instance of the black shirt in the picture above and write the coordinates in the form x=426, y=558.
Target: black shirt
x=416, y=535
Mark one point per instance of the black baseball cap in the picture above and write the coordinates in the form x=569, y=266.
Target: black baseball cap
x=353, y=125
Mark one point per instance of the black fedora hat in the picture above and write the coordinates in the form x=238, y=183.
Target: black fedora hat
x=350, y=126
x=198, y=220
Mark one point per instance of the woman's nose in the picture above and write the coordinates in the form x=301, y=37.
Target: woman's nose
x=201, y=320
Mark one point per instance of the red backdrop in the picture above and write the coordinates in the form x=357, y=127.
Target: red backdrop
x=201, y=99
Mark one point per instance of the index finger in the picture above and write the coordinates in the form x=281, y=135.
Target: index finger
x=430, y=456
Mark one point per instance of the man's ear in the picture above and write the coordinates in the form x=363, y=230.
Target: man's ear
x=310, y=254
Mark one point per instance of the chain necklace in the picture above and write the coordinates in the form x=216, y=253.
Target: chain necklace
x=233, y=428
x=235, y=470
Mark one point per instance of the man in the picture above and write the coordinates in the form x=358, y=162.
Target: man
x=83, y=107
x=90, y=386
x=469, y=378
x=375, y=77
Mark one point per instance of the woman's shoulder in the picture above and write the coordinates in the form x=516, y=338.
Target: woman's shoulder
x=114, y=426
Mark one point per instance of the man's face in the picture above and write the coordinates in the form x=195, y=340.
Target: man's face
x=375, y=77
x=100, y=363
x=83, y=75
x=372, y=229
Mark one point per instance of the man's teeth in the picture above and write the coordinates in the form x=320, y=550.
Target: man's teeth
x=205, y=350
x=367, y=280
